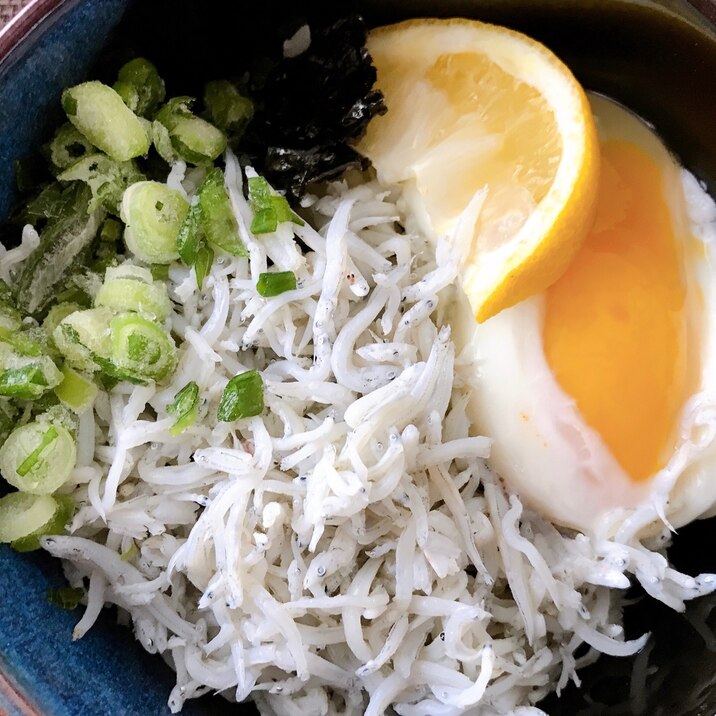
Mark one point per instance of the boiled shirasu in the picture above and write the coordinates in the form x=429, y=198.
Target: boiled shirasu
x=348, y=551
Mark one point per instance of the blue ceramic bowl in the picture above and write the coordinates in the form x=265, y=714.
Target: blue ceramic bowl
x=657, y=57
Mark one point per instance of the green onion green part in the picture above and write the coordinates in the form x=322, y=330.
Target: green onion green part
x=64, y=242
x=69, y=146
x=229, y=109
x=189, y=237
x=128, y=93
x=26, y=377
x=243, y=397
x=265, y=221
x=202, y=266
x=185, y=407
x=111, y=231
x=160, y=272
x=273, y=284
x=76, y=391
x=67, y=598
x=217, y=217
x=192, y=138
x=148, y=87
x=84, y=336
x=270, y=209
x=106, y=178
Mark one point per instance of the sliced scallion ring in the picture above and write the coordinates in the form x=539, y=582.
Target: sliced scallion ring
x=153, y=214
x=142, y=347
x=55, y=525
x=22, y=514
x=37, y=458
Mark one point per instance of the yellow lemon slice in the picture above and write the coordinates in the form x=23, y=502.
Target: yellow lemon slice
x=486, y=125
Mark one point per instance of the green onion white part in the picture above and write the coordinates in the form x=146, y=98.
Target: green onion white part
x=99, y=114
x=38, y=457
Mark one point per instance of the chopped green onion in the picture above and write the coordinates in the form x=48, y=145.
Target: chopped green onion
x=202, y=266
x=142, y=75
x=83, y=336
x=185, y=407
x=56, y=314
x=229, y=109
x=69, y=146
x=37, y=458
x=30, y=172
x=111, y=231
x=100, y=114
x=26, y=377
x=141, y=347
x=273, y=284
x=259, y=193
x=53, y=201
x=129, y=552
x=10, y=319
x=86, y=340
x=189, y=239
x=8, y=418
x=63, y=243
x=22, y=514
x=154, y=214
x=67, y=598
x=217, y=217
x=270, y=209
x=26, y=383
x=26, y=343
x=128, y=93
x=106, y=178
x=265, y=221
x=56, y=525
x=163, y=142
x=130, y=294
x=74, y=294
x=194, y=139
x=243, y=397
x=76, y=391
x=160, y=272
x=129, y=270
x=283, y=211
x=5, y=293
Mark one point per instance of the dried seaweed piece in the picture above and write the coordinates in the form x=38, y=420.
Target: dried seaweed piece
x=311, y=106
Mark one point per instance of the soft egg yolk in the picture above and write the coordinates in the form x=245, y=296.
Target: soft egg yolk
x=615, y=326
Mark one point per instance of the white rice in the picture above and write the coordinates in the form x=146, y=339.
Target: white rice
x=349, y=551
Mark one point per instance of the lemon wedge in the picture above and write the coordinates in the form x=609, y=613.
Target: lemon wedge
x=486, y=125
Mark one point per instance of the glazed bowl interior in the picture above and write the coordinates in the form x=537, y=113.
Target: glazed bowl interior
x=658, y=58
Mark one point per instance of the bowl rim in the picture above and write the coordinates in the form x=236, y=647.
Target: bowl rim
x=22, y=24
x=36, y=11
x=12, y=35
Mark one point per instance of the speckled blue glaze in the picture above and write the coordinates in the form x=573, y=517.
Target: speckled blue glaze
x=106, y=673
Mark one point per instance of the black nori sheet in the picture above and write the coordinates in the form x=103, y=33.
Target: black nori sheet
x=311, y=107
